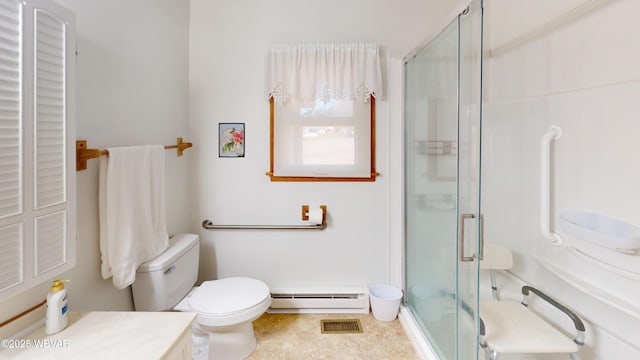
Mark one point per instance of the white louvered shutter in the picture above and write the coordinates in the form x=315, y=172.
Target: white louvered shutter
x=11, y=184
x=50, y=238
x=49, y=140
x=49, y=108
x=37, y=178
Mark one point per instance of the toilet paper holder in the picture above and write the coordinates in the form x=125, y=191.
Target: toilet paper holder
x=305, y=212
x=209, y=225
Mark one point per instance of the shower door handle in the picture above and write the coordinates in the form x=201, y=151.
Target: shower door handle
x=464, y=217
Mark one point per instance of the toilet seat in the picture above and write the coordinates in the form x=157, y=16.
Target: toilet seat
x=228, y=296
x=230, y=301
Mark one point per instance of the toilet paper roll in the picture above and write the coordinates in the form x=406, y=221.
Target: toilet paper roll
x=315, y=216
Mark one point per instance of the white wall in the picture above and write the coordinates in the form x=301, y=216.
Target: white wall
x=572, y=66
x=132, y=88
x=228, y=41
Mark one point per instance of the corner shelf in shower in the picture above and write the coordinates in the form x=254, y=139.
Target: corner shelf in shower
x=437, y=147
x=602, y=230
x=435, y=201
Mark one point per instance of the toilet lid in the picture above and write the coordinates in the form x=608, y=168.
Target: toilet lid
x=228, y=296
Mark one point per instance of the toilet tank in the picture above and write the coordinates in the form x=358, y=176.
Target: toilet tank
x=163, y=281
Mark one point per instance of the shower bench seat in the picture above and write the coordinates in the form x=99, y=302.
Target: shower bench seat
x=509, y=327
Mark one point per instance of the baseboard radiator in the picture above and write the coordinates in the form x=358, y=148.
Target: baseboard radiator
x=319, y=300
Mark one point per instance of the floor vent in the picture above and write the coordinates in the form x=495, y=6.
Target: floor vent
x=342, y=326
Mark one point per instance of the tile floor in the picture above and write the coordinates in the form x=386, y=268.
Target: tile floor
x=298, y=336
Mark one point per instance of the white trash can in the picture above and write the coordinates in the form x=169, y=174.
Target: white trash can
x=385, y=301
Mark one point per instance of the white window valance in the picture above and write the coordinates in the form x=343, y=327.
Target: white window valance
x=323, y=72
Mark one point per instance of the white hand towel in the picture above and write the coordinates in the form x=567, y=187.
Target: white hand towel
x=133, y=226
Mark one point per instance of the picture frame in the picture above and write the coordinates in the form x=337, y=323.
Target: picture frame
x=231, y=140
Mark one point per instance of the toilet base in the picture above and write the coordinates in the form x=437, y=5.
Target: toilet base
x=232, y=342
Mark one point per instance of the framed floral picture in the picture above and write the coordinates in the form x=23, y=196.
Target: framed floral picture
x=231, y=140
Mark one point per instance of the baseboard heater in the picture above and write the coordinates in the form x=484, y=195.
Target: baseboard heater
x=315, y=300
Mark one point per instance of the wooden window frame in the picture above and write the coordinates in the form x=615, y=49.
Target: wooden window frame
x=372, y=142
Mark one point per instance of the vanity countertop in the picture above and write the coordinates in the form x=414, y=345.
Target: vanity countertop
x=105, y=335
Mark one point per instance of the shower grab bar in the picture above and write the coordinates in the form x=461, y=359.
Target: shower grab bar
x=208, y=224
x=553, y=133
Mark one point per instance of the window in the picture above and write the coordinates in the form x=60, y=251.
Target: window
x=323, y=141
x=322, y=101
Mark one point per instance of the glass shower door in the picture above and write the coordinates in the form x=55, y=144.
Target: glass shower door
x=431, y=123
x=442, y=135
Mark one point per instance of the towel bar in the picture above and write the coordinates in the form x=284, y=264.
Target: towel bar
x=83, y=154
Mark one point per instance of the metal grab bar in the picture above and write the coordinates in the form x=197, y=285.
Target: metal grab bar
x=208, y=224
x=553, y=133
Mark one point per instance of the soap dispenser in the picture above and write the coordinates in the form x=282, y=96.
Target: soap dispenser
x=57, y=316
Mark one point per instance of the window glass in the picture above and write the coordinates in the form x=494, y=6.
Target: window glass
x=322, y=140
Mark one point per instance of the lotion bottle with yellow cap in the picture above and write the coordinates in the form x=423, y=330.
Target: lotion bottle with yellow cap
x=57, y=316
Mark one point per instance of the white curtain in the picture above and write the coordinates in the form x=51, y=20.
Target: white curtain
x=323, y=72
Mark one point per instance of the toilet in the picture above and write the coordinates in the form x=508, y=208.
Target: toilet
x=226, y=308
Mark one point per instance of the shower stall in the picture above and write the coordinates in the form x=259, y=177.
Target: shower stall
x=443, y=221
x=485, y=103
